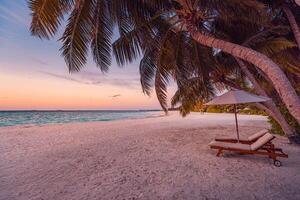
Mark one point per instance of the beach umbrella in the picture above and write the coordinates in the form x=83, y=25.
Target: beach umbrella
x=237, y=97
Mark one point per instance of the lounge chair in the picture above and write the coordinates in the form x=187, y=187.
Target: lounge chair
x=263, y=146
x=249, y=140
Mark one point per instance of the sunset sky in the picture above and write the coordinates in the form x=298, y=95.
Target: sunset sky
x=33, y=75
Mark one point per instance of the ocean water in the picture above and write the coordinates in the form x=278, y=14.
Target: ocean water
x=12, y=118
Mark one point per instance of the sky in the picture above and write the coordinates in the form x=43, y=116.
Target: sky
x=34, y=76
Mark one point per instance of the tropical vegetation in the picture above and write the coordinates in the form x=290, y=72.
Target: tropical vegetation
x=204, y=45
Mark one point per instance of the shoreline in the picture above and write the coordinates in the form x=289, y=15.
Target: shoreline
x=71, y=122
x=170, y=113
x=150, y=158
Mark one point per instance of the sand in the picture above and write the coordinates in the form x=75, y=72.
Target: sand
x=153, y=158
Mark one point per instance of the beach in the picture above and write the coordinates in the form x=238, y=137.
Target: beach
x=164, y=157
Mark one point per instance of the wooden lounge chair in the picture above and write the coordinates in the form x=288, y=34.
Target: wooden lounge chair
x=263, y=146
x=249, y=140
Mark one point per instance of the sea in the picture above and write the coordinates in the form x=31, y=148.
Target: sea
x=13, y=118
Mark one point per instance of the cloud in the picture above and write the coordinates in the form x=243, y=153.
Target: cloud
x=39, y=61
x=97, y=78
x=115, y=96
x=71, y=79
x=127, y=81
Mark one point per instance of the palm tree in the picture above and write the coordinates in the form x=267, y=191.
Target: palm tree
x=270, y=42
x=288, y=8
x=189, y=15
x=91, y=23
x=276, y=43
x=199, y=84
x=194, y=91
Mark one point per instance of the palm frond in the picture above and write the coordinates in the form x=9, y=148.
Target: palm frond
x=161, y=81
x=131, y=45
x=128, y=47
x=102, y=36
x=251, y=11
x=191, y=93
x=288, y=60
x=263, y=35
x=47, y=16
x=76, y=37
x=147, y=72
x=274, y=46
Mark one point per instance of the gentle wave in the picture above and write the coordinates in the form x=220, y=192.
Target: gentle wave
x=12, y=118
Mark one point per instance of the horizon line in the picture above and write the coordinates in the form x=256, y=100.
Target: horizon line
x=74, y=110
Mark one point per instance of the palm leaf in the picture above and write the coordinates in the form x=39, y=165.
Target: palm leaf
x=250, y=11
x=288, y=60
x=102, y=36
x=147, y=72
x=194, y=90
x=47, y=16
x=161, y=81
x=274, y=46
x=76, y=37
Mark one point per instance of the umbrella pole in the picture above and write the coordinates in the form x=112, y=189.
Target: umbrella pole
x=236, y=124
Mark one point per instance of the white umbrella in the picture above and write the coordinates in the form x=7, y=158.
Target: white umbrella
x=237, y=97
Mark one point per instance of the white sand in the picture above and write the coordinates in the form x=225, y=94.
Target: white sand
x=154, y=158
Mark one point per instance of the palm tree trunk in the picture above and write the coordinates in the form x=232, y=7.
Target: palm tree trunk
x=251, y=78
x=293, y=137
x=271, y=69
x=270, y=108
x=293, y=23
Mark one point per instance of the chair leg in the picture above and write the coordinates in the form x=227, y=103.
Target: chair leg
x=219, y=152
x=272, y=152
x=269, y=153
x=273, y=155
